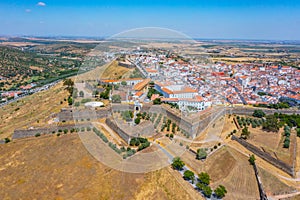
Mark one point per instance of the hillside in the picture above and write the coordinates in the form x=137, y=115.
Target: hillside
x=52, y=167
x=32, y=110
x=20, y=66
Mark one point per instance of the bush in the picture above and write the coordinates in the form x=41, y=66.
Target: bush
x=123, y=149
x=252, y=159
x=201, y=154
x=286, y=144
x=137, y=120
x=204, y=178
x=66, y=131
x=177, y=163
x=258, y=113
x=189, y=175
x=220, y=191
x=6, y=140
x=37, y=135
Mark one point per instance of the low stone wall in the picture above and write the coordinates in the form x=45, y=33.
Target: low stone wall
x=118, y=130
x=72, y=114
x=267, y=157
x=262, y=193
x=23, y=133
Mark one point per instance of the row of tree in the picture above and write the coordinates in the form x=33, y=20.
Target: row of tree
x=203, y=180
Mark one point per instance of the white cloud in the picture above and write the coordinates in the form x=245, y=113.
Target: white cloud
x=41, y=4
x=28, y=10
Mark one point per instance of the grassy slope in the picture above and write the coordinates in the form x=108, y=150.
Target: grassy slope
x=52, y=167
x=30, y=109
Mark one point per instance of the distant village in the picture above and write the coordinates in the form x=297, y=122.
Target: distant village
x=195, y=87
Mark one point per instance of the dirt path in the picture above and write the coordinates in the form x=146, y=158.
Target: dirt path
x=275, y=174
x=284, y=196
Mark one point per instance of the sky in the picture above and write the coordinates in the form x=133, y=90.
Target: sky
x=211, y=19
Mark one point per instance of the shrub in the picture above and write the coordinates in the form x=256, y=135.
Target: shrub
x=189, y=175
x=258, y=113
x=204, y=178
x=201, y=154
x=286, y=144
x=220, y=191
x=177, y=163
x=6, y=140
x=37, y=135
x=252, y=159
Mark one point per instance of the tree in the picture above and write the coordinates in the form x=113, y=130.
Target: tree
x=116, y=98
x=70, y=100
x=81, y=94
x=177, y=163
x=6, y=140
x=204, y=178
x=201, y=154
x=258, y=113
x=271, y=124
x=157, y=101
x=116, y=87
x=286, y=143
x=189, y=175
x=220, y=191
x=123, y=83
x=207, y=191
x=245, y=133
x=70, y=85
x=137, y=120
x=252, y=159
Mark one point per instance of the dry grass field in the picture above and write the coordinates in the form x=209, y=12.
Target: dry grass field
x=230, y=168
x=108, y=71
x=272, y=143
x=32, y=110
x=51, y=167
x=115, y=71
x=272, y=185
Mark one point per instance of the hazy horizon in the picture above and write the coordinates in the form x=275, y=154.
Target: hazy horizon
x=204, y=19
